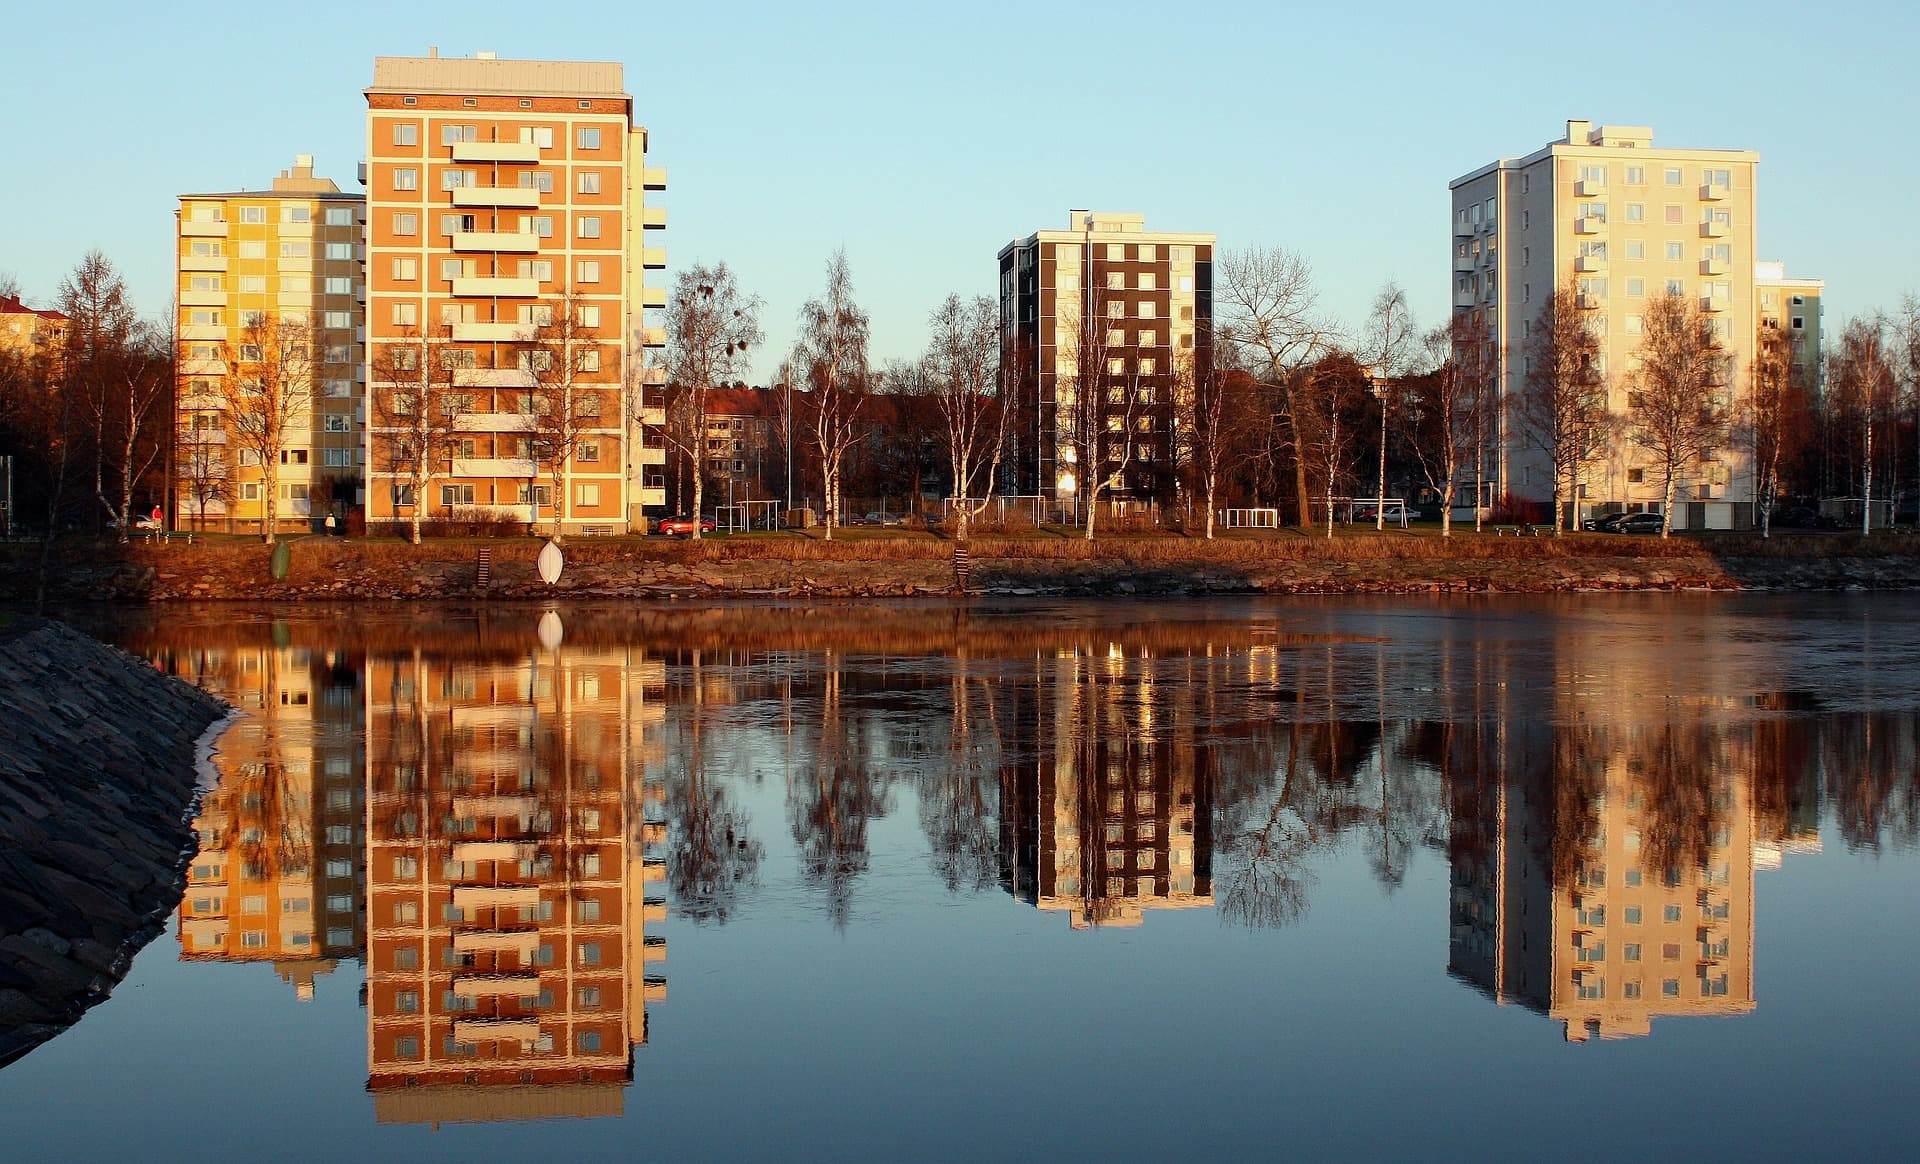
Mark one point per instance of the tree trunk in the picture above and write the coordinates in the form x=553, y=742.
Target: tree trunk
x=270, y=499
x=1210, y=485
x=1446, y=507
x=699, y=494
x=1666, y=516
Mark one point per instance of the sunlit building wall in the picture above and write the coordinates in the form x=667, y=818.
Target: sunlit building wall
x=291, y=254
x=501, y=192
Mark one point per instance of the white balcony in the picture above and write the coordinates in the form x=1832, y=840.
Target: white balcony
x=492, y=378
x=651, y=258
x=494, y=467
x=296, y=230
x=651, y=496
x=495, y=422
x=653, y=416
x=1587, y=189
x=1713, y=303
x=203, y=263
x=653, y=217
x=202, y=331
x=1464, y=229
x=1587, y=263
x=215, y=229
x=494, y=806
x=1714, y=230
x=496, y=985
x=468, y=242
x=524, y=942
x=495, y=897
x=1712, y=193
x=1589, y=226
x=494, y=851
x=1587, y=301
x=652, y=455
x=1460, y=263
x=496, y=1030
x=653, y=297
x=203, y=298
x=496, y=151
x=1713, y=267
x=653, y=375
x=652, y=337
x=491, y=332
x=511, y=196
x=496, y=288
x=653, y=178
x=1465, y=298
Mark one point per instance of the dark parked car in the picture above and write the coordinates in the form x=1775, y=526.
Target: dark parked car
x=1634, y=523
x=682, y=524
x=1604, y=523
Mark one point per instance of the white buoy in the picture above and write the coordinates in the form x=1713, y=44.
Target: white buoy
x=550, y=632
x=549, y=563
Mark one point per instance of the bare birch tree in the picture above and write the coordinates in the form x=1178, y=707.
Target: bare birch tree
x=1861, y=381
x=266, y=396
x=1564, y=411
x=833, y=353
x=120, y=371
x=562, y=353
x=1389, y=351
x=1769, y=385
x=1097, y=397
x=418, y=417
x=1268, y=307
x=1214, y=411
x=1678, y=402
x=962, y=369
x=1449, y=405
x=710, y=327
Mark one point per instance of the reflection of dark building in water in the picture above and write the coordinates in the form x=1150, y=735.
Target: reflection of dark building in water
x=1112, y=815
x=508, y=872
x=278, y=877
x=1604, y=875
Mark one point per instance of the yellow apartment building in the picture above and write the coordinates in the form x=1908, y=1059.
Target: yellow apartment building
x=1794, y=305
x=506, y=241
x=510, y=881
x=278, y=877
x=1625, y=222
x=288, y=256
x=28, y=332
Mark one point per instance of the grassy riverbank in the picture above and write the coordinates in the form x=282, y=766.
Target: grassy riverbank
x=864, y=562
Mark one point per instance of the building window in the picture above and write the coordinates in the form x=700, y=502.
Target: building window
x=587, y=271
x=455, y=179
x=589, y=495
x=588, y=225
x=406, y=133
x=587, y=137
x=589, y=181
x=541, y=180
x=1673, y=176
x=406, y=178
x=456, y=495
x=455, y=134
x=1676, y=252
x=406, y=223
x=537, y=135
x=406, y=270
x=337, y=252
x=1636, y=175
x=296, y=214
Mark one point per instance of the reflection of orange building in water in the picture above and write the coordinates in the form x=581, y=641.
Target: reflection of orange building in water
x=1604, y=876
x=507, y=887
x=1113, y=815
x=278, y=877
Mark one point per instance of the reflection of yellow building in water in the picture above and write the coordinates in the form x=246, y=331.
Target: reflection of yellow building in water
x=278, y=878
x=1609, y=881
x=1113, y=817
x=507, y=960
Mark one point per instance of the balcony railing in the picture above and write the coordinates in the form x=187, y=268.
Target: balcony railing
x=511, y=196
x=496, y=151
x=653, y=258
x=1589, y=226
x=496, y=287
x=1463, y=229
x=1713, y=303
x=1713, y=230
x=1713, y=267
x=485, y=240
x=1589, y=189
x=653, y=217
x=491, y=332
x=192, y=229
x=1588, y=263
x=1712, y=193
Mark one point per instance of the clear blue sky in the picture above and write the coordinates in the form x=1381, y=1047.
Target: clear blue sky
x=922, y=140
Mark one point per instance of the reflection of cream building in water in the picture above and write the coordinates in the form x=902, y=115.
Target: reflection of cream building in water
x=509, y=878
x=1112, y=816
x=1604, y=876
x=278, y=877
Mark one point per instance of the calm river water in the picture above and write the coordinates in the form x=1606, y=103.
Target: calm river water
x=1390, y=879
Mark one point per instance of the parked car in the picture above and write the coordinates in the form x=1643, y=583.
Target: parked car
x=1634, y=523
x=682, y=524
x=1604, y=523
x=883, y=519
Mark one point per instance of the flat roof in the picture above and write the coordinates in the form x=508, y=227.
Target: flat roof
x=492, y=75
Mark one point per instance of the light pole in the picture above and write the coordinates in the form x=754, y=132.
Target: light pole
x=1380, y=491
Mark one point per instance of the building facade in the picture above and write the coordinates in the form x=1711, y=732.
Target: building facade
x=1622, y=222
x=30, y=333
x=1152, y=293
x=505, y=242
x=270, y=288
x=1792, y=305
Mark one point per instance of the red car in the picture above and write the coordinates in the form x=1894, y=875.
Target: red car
x=672, y=526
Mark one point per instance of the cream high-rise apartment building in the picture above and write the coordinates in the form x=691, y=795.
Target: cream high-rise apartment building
x=1155, y=289
x=1792, y=304
x=505, y=232
x=252, y=265
x=1624, y=222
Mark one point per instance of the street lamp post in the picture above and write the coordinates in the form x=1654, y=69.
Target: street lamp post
x=1380, y=491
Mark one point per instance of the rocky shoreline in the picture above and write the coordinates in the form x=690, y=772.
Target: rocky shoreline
x=341, y=576
x=97, y=776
